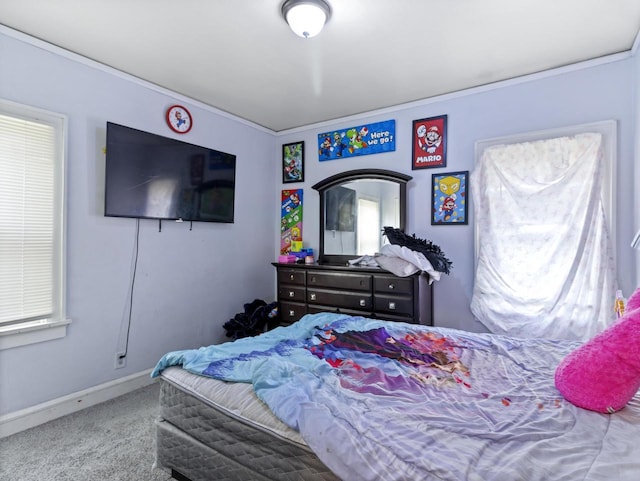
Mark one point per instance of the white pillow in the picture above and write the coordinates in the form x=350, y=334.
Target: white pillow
x=413, y=257
x=397, y=266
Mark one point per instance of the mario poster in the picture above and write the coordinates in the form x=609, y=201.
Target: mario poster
x=364, y=139
x=449, y=195
x=430, y=143
x=291, y=219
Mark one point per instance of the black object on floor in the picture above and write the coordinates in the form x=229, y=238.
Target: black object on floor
x=258, y=316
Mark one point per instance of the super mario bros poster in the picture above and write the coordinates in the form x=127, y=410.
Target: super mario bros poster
x=364, y=139
x=429, y=143
x=290, y=219
x=293, y=162
x=449, y=198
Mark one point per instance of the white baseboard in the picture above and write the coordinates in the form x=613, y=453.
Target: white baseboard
x=33, y=416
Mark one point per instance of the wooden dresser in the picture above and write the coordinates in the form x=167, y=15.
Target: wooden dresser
x=364, y=291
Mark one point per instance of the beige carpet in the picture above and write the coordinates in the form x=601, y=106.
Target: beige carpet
x=112, y=441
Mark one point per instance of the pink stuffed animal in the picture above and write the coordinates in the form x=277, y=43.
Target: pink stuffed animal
x=604, y=373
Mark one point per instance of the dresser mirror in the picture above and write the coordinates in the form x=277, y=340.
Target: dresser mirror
x=354, y=207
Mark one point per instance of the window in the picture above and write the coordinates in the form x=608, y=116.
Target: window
x=368, y=226
x=544, y=217
x=31, y=225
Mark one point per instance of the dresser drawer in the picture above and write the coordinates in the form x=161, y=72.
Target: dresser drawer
x=385, y=316
x=351, y=300
x=393, y=285
x=315, y=309
x=335, y=280
x=392, y=304
x=359, y=291
x=292, y=293
x=291, y=277
x=291, y=312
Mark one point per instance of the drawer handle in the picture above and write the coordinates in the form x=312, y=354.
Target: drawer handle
x=363, y=302
x=292, y=277
x=292, y=293
x=292, y=313
x=312, y=296
x=392, y=286
x=392, y=306
x=313, y=279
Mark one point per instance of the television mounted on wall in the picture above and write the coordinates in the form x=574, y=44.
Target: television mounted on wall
x=149, y=176
x=340, y=213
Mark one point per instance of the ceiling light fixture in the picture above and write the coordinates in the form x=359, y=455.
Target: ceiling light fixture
x=306, y=17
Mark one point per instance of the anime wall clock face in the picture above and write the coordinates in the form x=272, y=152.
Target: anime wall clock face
x=179, y=119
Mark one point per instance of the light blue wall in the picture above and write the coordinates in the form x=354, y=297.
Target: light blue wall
x=188, y=283
x=581, y=94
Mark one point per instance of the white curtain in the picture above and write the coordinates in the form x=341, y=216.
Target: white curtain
x=545, y=266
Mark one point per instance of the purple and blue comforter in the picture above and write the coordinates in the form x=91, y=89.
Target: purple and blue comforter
x=380, y=400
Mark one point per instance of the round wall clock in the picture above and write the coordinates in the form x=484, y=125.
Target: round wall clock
x=179, y=119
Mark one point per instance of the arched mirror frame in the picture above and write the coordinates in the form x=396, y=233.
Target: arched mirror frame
x=350, y=176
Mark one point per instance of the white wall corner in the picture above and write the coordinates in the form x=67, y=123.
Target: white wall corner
x=636, y=44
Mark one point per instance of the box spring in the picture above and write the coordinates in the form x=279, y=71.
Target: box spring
x=216, y=430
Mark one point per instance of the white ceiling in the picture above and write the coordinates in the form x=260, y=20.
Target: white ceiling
x=241, y=57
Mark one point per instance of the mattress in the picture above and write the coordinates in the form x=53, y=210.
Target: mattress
x=216, y=430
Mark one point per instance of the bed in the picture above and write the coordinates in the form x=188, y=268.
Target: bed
x=341, y=397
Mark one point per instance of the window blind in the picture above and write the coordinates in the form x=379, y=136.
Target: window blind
x=27, y=203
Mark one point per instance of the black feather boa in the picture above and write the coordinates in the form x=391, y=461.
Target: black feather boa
x=432, y=252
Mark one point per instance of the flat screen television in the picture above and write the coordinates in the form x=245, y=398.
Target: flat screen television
x=153, y=177
x=340, y=210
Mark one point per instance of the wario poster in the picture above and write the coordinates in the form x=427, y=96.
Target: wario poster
x=363, y=139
